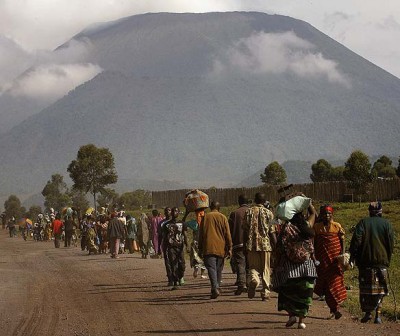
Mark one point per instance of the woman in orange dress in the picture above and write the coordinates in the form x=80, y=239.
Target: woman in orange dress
x=329, y=244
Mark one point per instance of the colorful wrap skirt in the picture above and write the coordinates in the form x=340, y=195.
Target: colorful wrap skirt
x=373, y=283
x=295, y=296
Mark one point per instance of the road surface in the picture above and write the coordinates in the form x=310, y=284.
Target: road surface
x=64, y=292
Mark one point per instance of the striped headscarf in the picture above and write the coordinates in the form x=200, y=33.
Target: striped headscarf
x=375, y=208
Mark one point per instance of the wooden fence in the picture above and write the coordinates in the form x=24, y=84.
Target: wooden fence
x=382, y=190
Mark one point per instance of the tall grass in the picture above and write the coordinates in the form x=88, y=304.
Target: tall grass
x=349, y=214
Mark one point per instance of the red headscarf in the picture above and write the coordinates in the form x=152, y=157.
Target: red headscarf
x=326, y=208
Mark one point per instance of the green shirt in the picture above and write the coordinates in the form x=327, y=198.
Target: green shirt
x=372, y=243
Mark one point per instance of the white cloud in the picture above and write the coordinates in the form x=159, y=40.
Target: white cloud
x=62, y=64
x=366, y=27
x=278, y=53
x=52, y=81
x=13, y=60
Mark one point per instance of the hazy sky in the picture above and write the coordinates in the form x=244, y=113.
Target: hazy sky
x=30, y=29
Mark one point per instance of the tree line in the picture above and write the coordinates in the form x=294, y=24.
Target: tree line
x=357, y=170
x=91, y=172
x=94, y=169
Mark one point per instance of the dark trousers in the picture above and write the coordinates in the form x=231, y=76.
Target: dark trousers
x=239, y=261
x=83, y=241
x=68, y=237
x=214, y=265
x=12, y=230
x=167, y=265
x=177, y=262
x=57, y=238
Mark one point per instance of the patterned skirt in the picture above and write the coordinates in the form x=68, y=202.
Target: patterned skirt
x=295, y=296
x=373, y=287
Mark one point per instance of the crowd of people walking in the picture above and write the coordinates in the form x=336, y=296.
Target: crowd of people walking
x=293, y=251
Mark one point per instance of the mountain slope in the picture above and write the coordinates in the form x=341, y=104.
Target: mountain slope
x=208, y=99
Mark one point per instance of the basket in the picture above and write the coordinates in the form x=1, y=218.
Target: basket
x=195, y=200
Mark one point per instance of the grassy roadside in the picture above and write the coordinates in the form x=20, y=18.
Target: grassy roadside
x=348, y=214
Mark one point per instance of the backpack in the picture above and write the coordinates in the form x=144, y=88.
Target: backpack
x=297, y=249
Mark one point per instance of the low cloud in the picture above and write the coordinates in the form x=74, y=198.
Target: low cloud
x=13, y=60
x=52, y=81
x=45, y=75
x=264, y=53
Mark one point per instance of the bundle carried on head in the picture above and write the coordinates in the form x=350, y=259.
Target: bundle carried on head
x=195, y=200
x=291, y=205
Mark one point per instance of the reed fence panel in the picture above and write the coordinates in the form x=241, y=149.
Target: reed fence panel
x=382, y=190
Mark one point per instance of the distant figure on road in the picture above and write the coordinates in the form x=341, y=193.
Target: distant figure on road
x=11, y=227
x=155, y=228
x=371, y=248
x=143, y=235
x=115, y=232
x=329, y=244
x=68, y=229
x=131, y=230
x=57, y=227
x=176, y=240
x=162, y=240
x=215, y=244
x=236, y=220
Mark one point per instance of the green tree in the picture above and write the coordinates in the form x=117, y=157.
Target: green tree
x=383, y=168
x=398, y=168
x=357, y=171
x=274, y=174
x=337, y=174
x=56, y=193
x=79, y=201
x=92, y=170
x=33, y=212
x=13, y=208
x=322, y=171
x=134, y=199
x=110, y=197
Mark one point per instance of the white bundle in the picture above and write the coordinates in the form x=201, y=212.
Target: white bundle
x=286, y=210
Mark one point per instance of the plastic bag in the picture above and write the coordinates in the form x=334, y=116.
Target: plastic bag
x=286, y=210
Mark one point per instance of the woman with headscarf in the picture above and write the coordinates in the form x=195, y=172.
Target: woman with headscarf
x=371, y=248
x=295, y=273
x=131, y=236
x=143, y=235
x=91, y=236
x=329, y=244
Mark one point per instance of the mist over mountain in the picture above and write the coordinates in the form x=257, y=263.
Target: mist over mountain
x=207, y=99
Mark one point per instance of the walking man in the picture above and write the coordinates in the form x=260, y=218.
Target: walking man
x=236, y=220
x=215, y=244
x=259, y=237
x=115, y=231
x=371, y=248
x=68, y=230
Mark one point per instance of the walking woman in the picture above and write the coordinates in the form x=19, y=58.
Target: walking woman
x=295, y=273
x=329, y=244
x=143, y=235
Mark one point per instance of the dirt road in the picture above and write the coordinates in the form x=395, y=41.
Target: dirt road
x=48, y=291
